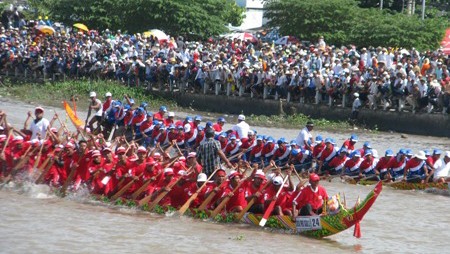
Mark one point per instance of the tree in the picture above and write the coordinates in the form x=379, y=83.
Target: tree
x=204, y=18
x=343, y=22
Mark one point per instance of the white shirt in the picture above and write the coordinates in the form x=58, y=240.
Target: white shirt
x=39, y=127
x=99, y=111
x=356, y=104
x=242, y=129
x=303, y=137
x=441, y=169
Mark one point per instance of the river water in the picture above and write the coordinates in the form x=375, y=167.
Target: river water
x=32, y=220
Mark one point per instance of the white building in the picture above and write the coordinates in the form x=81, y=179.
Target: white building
x=253, y=14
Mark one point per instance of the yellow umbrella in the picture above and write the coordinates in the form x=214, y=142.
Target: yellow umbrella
x=157, y=33
x=46, y=29
x=81, y=27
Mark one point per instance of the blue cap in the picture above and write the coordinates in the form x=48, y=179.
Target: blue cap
x=197, y=118
x=354, y=138
x=368, y=152
x=149, y=114
x=132, y=101
x=127, y=107
x=333, y=141
x=295, y=151
x=343, y=150
x=319, y=139
x=427, y=152
x=293, y=143
x=281, y=141
x=188, y=119
x=329, y=140
x=156, y=122
x=221, y=119
x=389, y=152
x=270, y=140
x=209, y=123
x=180, y=127
x=437, y=151
x=409, y=152
x=140, y=109
x=402, y=151
x=144, y=104
x=232, y=137
x=172, y=126
x=367, y=144
x=259, y=137
x=223, y=134
x=200, y=128
x=163, y=127
x=163, y=108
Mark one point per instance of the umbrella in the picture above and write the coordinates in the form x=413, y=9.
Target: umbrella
x=286, y=40
x=157, y=33
x=245, y=37
x=446, y=43
x=81, y=27
x=46, y=29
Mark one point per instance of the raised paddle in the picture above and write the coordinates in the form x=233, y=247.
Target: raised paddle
x=186, y=205
x=271, y=206
x=19, y=165
x=4, y=147
x=125, y=188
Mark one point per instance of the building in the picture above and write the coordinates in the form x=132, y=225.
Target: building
x=254, y=12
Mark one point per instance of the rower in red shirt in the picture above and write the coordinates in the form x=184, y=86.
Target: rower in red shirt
x=180, y=191
x=219, y=125
x=352, y=165
x=336, y=164
x=382, y=165
x=170, y=119
x=256, y=152
x=216, y=188
x=237, y=201
x=232, y=148
x=326, y=155
x=349, y=144
x=201, y=179
x=160, y=114
x=169, y=178
x=282, y=207
x=253, y=190
x=311, y=199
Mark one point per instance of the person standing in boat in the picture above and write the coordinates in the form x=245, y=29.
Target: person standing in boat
x=96, y=106
x=310, y=201
x=209, y=153
x=305, y=138
x=40, y=124
x=242, y=128
x=442, y=168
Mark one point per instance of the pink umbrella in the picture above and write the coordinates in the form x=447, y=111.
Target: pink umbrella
x=245, y=37
x=446, y=43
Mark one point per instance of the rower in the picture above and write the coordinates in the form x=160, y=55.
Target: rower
x=396, y=166
x=253, y=190
x=381, y=166
x=310, y=201
x=352, y=166
x=282, y=207
x=416, y=169
x=442, y=168
x=237, y=200
x=336, y=164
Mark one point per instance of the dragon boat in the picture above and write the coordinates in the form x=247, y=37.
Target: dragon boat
x=402, y=185
x=326, y=224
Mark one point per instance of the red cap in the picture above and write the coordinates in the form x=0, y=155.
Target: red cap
x=120, y=150
x=314, y=177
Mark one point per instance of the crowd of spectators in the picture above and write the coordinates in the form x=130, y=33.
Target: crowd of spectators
x=384, y=78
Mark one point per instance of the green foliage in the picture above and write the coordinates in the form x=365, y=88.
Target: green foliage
x=342, y=22
x=159, y=209
x=203, y=18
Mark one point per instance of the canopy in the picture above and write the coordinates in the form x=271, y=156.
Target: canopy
x=244, y=37
x=446, y=43
x=156, y=33
x=286, y=40
x=46, y=29
x=81, y=27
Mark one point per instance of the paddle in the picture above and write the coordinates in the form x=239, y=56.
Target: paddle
x=250, y=203
x=161, y=195
x=4, y=148
x=271, y=206
x=144, y=186
x=40, y=179
x=222, y=204
x=211, y=195
x=125, y=188
x=111, y=134
x=87, y=117
x=73, y=170
x=19, y=165
x=186, y=205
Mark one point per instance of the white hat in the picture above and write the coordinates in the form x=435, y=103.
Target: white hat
x=277, y=180
x=1, y=128
x=108, y=94
x=171, y=114
x=250, y=132
x=241, y=117
x=421, y=155
x=192, y=155
x=92, y=94
x=182, y=172
x=356, y=94
x=447, y=154
x=375, y=153
x=201, y=177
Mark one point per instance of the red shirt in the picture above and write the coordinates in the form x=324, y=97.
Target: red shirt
x=315, y=199
x=238, y=199
x=282, y=199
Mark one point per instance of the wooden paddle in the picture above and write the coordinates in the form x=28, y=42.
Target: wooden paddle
x=111, y=134
x=73, y=170
x=38, y=157
x=271, y=206
x=19, y=165
x=250, y=203
x=40, y=179
x=161, y=195
x=125, y=188
x=211, y=195
x=222, y=204
x=186, y=205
